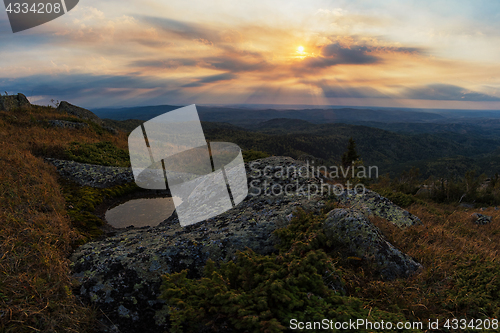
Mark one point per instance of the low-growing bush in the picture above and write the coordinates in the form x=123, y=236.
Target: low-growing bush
x=101, y=153
x=257, y=293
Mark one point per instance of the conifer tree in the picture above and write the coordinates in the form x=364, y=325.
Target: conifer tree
x=351, y=155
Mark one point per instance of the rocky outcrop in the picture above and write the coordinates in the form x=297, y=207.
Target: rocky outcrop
x=360, y=239
x=372, y=203
x=122, y=273
x=84, y=114
x=92, y=175
x=11, y=102
x=79, y=112
x=67, y=124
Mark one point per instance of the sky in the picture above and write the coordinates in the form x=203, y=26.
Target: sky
x=418, y=54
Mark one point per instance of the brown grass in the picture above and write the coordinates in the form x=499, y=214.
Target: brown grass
x=447, y=239
x=35, y=235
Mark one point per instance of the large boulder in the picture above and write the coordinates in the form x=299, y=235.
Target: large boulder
x=11, y=102
x=357, y=237
x=79, y=112
x=121, y=274
x=372, y=203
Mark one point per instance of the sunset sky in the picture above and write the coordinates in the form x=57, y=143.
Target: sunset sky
x=423, y=54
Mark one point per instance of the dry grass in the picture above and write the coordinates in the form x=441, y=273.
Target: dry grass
x=35, y=235
x=447, y=241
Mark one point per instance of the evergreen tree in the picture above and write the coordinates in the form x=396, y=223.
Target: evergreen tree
x=351, y=155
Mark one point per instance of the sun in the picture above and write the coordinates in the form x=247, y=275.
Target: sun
x=300, y=49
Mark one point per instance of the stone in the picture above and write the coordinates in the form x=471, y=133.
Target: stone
x=128, y=266
x=372, y=203
x=358, y=237
x=67, y=124
x=110, y=130
x=79, y=112
x=121, y=274
x=480, y=218
x=92, y=175
x=11, y=102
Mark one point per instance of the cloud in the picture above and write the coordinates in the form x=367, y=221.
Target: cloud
x=185, y=30
x=348, y=55
x=164, y=63
x=93, y=89
x=446, y=92
x=350, y=92
x=211, y=79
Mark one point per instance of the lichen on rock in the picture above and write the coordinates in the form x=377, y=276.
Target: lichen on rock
x=358, y=237
x=67, y=124
x=11, y=102
x=92, y=175
x=122, y=273
x=372, y=203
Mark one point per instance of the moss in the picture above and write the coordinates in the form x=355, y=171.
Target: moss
x=476, y=289
x=401, y=199
x=101, y=153
x=81, y=203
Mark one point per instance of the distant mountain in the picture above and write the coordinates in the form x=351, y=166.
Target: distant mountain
x=393, y=140
x=251, y=117
x=140, y=112
x=438, y=153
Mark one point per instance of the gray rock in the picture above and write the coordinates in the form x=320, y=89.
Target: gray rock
x=79, y=112
x=67, y=124
x=352, y=231
x=92, y=175
x=278, y=175
x=122, y=274
x=372, y=203
x=110, y=130
x=11, y=102
x=481, y=219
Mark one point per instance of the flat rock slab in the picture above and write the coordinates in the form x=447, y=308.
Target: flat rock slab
x=92, y=175
x=67, y=124
x=122, y=274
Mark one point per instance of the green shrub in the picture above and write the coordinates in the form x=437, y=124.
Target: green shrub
x=101, y=153
x=251, y=155
x=399, y=198
x=82, y=201
x=476, y=289
x=257, y=293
